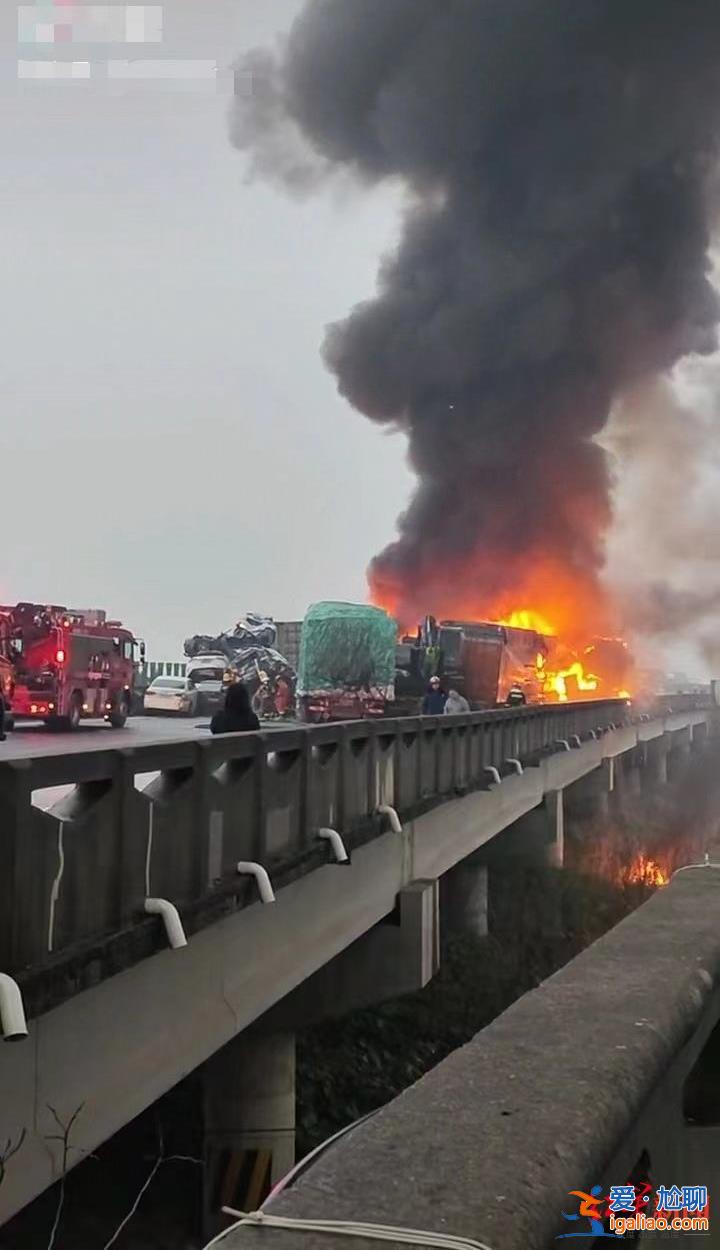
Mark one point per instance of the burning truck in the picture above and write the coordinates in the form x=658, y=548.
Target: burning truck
x=482, y=660
x=353, y=665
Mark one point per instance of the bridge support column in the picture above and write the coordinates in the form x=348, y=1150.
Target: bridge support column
x=249, y=1109
x=537, y=840
x=555, y=829
x=589, y=798
x=679, y=754
x=699, y=738
x=627, y=780
x=464, y=898
x=655, y=770
x=525, y=857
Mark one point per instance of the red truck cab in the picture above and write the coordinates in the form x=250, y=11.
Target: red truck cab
x=67, y=664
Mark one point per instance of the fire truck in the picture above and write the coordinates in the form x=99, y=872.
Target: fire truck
x=67, y=664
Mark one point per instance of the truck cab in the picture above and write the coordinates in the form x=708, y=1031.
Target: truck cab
x=68, y=664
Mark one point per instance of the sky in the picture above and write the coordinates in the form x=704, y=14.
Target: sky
x=174, y=450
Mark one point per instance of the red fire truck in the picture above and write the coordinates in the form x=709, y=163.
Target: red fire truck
x=68, y=664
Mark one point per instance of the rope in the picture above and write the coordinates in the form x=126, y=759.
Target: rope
x=348, y=1228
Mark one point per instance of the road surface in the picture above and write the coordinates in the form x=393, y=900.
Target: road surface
x=30, y=740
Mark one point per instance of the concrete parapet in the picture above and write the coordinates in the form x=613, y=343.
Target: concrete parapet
x=261, y=798
x=568, y=1089
x=246, y=797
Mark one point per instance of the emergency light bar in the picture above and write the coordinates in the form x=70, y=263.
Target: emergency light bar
x=91, y=616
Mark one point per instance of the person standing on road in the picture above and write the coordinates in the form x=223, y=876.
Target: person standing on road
x=435, y=699
x=456, y=704
x=237, y=716
x=3, y=711
x=283, y=697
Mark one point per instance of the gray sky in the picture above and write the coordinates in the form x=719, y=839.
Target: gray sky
x=174, y=450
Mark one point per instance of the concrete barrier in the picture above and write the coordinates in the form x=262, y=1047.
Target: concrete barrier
x=598, y=1069
x=73, y=879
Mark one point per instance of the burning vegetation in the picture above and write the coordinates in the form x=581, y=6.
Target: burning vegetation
x=560, y=170
x=645, y=871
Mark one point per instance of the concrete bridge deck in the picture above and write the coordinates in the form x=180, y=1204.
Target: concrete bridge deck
x=117, y=1018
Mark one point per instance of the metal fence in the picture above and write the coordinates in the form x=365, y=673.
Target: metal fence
x=165, y=668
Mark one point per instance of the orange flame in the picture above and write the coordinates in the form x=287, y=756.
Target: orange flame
x=646, y=871
x=525, y=618
x=565, y=607
x=558, y=683
x=545, y=595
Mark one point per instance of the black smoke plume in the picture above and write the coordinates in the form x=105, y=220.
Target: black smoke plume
x=560, y=158
x=664, y=548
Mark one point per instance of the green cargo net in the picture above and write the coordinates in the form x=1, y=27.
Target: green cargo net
x=347, y=646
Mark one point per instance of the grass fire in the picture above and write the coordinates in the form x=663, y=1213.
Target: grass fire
x=643, y=870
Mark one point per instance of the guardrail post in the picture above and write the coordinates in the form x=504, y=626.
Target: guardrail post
x=306, y=833
x=260, y=800
x=357, y=763
x=340, y=781
x=324, y=783
x=17, y=880
x=201, y=809
x=130, y=879
x=384, y=742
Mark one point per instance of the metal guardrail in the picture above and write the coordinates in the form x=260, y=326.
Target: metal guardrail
x=73, y=880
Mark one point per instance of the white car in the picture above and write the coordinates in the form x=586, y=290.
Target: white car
x=205, y=674
x=174, y=695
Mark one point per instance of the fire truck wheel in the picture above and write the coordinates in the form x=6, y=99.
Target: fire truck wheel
x=119, y=713
x=75, y=711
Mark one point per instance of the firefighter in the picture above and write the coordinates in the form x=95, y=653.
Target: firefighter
x=283, y=697
x=263, y=703
x=435, y=699
x=516, y=696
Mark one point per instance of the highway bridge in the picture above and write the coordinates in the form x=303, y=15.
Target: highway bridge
x=181, y=891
